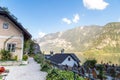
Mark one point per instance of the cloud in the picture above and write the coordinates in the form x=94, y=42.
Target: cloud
x=76, y=18
x=41, y=34
x=66, y=20
x=95, y=4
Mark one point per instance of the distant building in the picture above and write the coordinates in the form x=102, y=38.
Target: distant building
x=36, y=48
x=69, y=59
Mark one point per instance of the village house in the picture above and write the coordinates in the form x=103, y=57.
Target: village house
x=36, y=48
x=63, y=59
x=11, y=28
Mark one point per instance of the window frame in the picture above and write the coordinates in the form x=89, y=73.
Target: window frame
x=5, y=25
x=11, y=47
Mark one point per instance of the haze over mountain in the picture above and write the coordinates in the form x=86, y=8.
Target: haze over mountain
x=84, y=38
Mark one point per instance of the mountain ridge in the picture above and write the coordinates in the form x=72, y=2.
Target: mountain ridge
x=83, y=38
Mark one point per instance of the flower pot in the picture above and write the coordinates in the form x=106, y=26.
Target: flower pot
x=24, y=62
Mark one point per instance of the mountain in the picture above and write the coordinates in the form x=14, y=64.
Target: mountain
x=84, y=38
x=109, y=40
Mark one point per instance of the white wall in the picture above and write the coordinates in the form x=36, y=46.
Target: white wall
x=69, y=63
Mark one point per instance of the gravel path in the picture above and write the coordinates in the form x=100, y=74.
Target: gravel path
x=26, y=72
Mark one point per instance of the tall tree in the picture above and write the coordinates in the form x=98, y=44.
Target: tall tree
x=28, y=46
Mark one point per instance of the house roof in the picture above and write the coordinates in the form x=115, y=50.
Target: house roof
x=47, y=56
x=59, y=58
x=27, y=35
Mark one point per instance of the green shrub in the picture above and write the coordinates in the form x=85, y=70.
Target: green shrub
x=45, y=67
x=56, y=74
x=5, y=55
x=39, y=58
x=16, y=58
x=25, y=57
x=101, y=74
x=90, y=63
x=53, y=75
x=0, y=77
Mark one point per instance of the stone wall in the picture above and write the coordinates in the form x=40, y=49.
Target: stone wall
x=10, y=63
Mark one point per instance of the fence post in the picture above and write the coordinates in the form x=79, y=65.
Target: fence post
x=74, y=76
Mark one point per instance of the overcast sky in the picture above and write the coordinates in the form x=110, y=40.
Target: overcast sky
x=41, y=17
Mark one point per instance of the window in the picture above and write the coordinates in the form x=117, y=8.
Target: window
x=11, y=47
x=5, y=25
x=69, y=59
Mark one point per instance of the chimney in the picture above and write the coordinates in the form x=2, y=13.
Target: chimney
x=51, y=53
x=62, y=51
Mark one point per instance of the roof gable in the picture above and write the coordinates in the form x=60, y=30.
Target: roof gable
x=27, y=35
x=59, y=58
x=75, y=57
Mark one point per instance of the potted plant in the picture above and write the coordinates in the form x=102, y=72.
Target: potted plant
x=2, y=69
x=25, y=59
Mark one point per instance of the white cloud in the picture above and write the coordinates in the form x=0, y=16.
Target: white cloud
x=76, y=18
x=95, y=4
x=66, y=20
x=41, y=34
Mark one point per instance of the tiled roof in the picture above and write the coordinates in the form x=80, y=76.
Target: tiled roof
x=59, y=58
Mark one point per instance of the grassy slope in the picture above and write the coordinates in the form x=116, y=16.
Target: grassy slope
x=106, y=47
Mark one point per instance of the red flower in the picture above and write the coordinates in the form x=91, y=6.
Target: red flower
x=2, y=69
